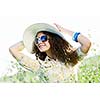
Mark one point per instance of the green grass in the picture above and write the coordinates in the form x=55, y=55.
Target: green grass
x=89, y=72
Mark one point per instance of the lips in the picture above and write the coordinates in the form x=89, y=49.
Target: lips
x=41, y=45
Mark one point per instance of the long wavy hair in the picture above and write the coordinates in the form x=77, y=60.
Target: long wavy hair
x=60, y=49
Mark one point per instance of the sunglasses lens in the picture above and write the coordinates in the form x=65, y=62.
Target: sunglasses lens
x=42, y=38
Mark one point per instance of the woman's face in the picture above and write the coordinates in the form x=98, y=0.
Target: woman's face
x=42, y=42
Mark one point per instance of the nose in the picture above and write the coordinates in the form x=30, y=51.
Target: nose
x=39, y=41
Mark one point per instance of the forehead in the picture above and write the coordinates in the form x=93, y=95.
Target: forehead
x=40, y=34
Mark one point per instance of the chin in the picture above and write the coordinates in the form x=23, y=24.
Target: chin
x=42, y=50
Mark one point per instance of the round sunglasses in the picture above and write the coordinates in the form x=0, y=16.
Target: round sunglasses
x=41, y=39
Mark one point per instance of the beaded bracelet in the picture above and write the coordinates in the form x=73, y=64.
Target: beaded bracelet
x=75, y=36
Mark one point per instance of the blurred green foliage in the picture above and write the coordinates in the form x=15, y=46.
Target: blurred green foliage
x=89, y=72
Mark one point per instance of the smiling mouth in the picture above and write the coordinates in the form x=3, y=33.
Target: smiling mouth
x=41, y=46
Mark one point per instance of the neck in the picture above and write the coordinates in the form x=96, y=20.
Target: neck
x=49, y=54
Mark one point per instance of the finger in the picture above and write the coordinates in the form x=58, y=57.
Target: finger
x=58, y=26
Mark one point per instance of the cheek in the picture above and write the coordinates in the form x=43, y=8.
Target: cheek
x=48, y=45
x=44, y=48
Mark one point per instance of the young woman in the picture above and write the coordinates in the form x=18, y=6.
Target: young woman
x=55, y=57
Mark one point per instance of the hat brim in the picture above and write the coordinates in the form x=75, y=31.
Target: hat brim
x=31, y=32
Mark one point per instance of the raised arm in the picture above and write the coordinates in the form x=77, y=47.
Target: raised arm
x=24, y=60
x=16, y=49
x=84, y=41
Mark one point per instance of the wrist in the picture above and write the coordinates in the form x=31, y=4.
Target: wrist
x=75, y=36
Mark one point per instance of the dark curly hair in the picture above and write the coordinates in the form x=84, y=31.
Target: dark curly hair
x=60, y=50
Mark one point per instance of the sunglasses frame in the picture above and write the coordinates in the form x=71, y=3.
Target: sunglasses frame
x=43, y=38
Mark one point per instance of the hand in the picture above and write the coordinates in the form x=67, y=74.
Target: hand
x=60, y=28
x=63, y=30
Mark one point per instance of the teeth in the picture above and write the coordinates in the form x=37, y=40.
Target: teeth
x=41, y=45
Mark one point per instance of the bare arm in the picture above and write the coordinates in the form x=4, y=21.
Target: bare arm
x=84, y=41
x=16, y=49
x=24, y=60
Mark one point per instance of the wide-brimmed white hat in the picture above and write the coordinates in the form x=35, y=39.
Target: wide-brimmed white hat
x=31, y=32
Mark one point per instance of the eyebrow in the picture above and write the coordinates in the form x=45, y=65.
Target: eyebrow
x=41, y=36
